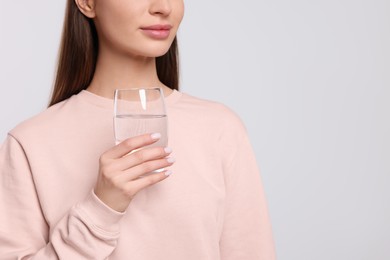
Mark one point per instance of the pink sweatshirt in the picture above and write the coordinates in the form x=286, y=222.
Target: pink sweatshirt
x=212, y=206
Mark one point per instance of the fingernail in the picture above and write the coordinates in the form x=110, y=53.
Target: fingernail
x=167, y=150
x=155, y=136
x=171, y=160
x=167, y=173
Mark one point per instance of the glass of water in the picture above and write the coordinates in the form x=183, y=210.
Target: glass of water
x=140, y=111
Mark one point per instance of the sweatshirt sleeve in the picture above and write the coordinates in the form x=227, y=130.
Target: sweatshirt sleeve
x=88, y=231
x=247, y=232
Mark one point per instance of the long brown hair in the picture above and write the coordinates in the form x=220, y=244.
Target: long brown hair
x=78, y=55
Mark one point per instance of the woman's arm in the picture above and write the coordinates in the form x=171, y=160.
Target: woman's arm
x=247, y=233
x=88, y=231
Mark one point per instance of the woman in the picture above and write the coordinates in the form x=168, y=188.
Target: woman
x=67, y=193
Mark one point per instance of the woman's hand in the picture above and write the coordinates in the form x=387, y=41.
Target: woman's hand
x=118, y=180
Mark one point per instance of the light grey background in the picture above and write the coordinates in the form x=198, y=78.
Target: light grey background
x=310, y=79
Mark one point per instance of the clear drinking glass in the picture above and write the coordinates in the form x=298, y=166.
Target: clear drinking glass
x=140, y=111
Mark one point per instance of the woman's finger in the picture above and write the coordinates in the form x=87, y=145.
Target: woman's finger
x=141, y=156
x=145, y=168
x=131, y=144
x=141, y=183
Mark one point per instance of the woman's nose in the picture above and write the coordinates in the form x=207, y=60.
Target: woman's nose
x=161, y=7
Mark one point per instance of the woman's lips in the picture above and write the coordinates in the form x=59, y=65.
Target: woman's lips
x=158, y=31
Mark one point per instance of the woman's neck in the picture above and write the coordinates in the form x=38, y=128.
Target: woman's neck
x=121, y=72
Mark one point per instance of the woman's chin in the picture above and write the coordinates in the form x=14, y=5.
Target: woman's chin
x=156, y=50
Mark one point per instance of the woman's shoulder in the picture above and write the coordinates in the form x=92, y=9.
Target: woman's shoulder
x=46, y=120
x=215, y=112
x=207, y=107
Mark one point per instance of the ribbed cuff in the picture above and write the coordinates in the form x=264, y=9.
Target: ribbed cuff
x=100, y=215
